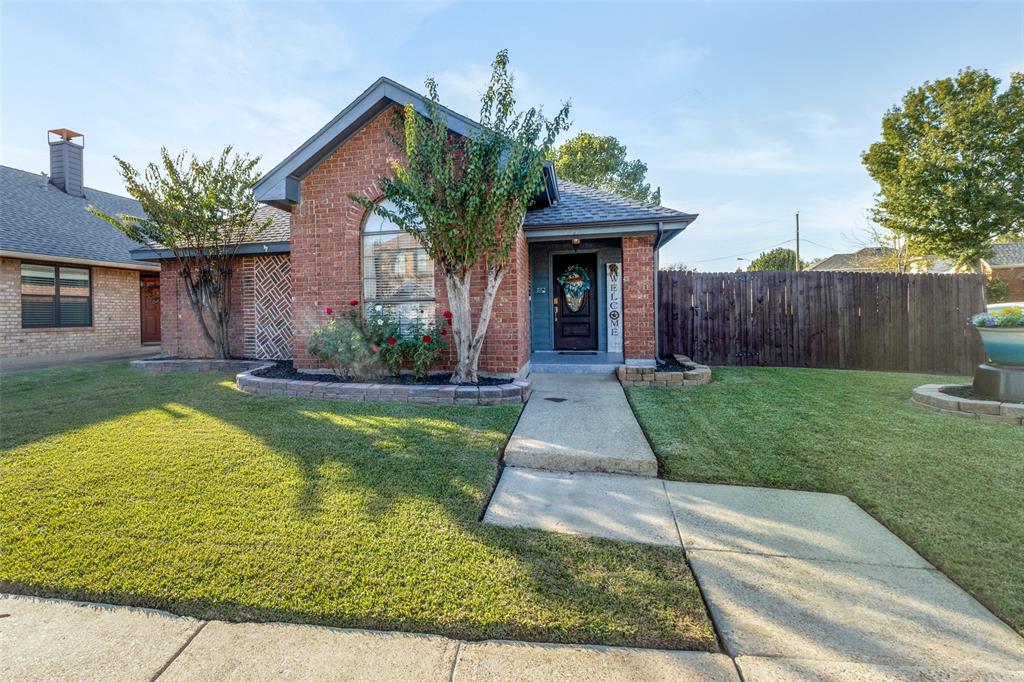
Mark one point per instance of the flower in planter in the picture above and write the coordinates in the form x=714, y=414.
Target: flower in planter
x=329, y=310
x=427, y=338
x=444, y=332
x=392, y=340
x=375, y=348
x=353, y=302
x=447, y=315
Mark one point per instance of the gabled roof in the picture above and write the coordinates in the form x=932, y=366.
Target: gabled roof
x=280, y=186
x=38, y=219
x=1006, y=255
x=562, y=209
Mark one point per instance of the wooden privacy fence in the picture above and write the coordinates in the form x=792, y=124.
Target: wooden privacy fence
x=842, y=320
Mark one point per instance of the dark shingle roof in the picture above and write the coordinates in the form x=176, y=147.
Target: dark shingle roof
x=280, y=229
x=38, y=218
x=1007, y=254
x=579, y=204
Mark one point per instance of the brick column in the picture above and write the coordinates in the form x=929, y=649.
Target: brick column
x=638, y=299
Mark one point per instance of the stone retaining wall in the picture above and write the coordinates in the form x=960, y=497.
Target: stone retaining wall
x=932, y=397
x=649, y=377
x=196, y=365
x=514, y=393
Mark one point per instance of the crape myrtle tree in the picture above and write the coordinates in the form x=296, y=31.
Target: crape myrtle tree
x=464, y=197
x=201, y=211
x=950, y=166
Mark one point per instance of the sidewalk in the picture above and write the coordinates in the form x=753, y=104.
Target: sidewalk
x=579, y=422
x=799, y=585
x=50, y=639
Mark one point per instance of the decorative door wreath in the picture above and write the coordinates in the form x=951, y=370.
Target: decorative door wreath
x=575, y=283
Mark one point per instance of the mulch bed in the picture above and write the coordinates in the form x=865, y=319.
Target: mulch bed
x=672, y=365
x=963, y=391
x=285, y=370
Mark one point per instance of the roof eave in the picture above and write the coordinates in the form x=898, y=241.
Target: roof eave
x=252, y=249
x=27, y=255
x=608, y=228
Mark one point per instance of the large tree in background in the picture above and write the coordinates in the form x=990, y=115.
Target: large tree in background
x=464, y=198
x=776, y=259
x=600, y=161
x=201, y=211
x=950, y=165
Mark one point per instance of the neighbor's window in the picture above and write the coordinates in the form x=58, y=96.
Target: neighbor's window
x=398, y=275
x=55, y=296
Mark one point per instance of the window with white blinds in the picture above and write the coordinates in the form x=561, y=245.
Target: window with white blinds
x=55, y=296
x=398, y=275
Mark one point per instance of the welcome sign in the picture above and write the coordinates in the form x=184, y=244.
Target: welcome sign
x=614, y=312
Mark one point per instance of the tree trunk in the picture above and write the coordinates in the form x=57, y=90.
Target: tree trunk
x=203, y=300
x=469, y=343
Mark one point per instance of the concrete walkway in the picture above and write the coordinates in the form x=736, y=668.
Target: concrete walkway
x=579, y=422
x=50, y=639
x=799, y=585
x=25, y=364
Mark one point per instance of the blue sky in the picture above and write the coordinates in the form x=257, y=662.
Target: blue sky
x=745, y=113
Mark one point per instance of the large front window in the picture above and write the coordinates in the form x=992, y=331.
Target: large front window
x=398, y=275
x=55, y=296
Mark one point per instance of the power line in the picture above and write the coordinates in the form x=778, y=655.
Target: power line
x=745, y=253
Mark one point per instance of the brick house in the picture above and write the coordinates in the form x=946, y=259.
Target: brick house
x=69, y=285
x=1007, y=263
x=582, y=279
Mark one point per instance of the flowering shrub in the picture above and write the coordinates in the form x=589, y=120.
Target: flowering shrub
x=1006, y=317
x=352, y=345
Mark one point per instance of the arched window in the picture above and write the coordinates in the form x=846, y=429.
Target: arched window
x=398, y=275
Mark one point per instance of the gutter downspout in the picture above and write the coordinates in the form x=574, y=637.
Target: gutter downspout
x=657, y=264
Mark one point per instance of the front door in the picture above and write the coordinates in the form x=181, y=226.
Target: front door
x=575, y=301
x=149, y=290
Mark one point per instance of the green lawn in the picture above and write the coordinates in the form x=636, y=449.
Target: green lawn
x=180, y=492
x=952, y=488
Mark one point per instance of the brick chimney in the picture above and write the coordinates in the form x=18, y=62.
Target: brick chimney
x=66, y=171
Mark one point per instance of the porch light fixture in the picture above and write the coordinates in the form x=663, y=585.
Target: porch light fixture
x=575, y=241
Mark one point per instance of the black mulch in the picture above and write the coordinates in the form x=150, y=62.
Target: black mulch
x=285, y=370
x=672, y=365
x=962, y=391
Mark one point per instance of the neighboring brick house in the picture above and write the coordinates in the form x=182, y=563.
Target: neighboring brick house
x=581, y=279
x=69, y=286
x=1007, y=263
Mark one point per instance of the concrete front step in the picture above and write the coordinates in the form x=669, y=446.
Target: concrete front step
x=580, y=422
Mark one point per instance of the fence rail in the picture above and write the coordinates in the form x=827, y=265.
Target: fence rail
x=842, y=320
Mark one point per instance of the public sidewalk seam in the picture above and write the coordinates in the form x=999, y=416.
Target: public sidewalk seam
x=177, y=653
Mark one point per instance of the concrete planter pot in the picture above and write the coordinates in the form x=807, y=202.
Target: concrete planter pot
x=1003, y=345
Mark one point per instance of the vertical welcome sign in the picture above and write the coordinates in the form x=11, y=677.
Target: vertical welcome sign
x=614, y=312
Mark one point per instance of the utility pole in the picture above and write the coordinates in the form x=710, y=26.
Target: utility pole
x=798, y=241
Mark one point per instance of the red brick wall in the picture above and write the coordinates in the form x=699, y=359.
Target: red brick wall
x=326, y=243
x=1013, y=277
x=638, y=297
x=179, y=331
x=116, y=321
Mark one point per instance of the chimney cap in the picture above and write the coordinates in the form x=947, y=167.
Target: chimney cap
x=65, y=133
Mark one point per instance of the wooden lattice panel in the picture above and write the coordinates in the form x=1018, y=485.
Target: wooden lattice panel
x=268, y=333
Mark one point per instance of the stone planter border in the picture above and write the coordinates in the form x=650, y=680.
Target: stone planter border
x=648, y=377
x=159, y=366
x=516, y=392
x=931, y=396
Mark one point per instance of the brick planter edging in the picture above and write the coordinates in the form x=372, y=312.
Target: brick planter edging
x=932, y=397
x=648, y=377
x=197, y=365
x=514, y=393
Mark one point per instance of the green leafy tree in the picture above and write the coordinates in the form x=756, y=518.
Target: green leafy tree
x=201, y=211
x=949, y=165
x=464, y=197
x=600, y=161
x=776, y=259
